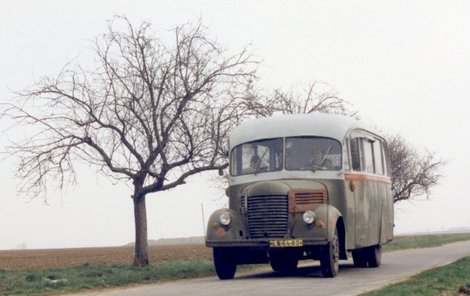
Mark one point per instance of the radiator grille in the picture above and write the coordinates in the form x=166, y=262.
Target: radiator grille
x=267, y=216
x=304, y=200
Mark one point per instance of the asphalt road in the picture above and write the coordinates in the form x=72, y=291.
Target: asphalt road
x=307, y=280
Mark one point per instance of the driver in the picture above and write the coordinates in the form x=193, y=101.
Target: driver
x=319, y=161
x=255, y=164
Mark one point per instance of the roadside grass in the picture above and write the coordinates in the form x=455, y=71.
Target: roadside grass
x=85, y=277
x=424, y=241
x=50, y=281
x=452, y=279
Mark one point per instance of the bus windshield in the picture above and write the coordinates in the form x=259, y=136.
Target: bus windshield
x=256, y=157
x=301, y=153
x=313, y=153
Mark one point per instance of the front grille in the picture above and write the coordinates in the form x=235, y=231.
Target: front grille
x=267, y=216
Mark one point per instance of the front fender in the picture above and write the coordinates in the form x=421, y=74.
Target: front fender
x=218, y=232
x=326, y=219
x=330, y=215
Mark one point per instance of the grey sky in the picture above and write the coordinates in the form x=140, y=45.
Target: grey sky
x=404, y=65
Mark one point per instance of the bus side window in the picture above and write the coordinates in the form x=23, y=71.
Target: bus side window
x=378, y=157
x=368, y=158
x=385, y=158
x=355, y=154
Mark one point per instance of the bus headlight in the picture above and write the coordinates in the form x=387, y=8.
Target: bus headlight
x=309, y=217
x=225, y=218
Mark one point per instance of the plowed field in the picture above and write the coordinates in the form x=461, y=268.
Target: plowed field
x=34, y=259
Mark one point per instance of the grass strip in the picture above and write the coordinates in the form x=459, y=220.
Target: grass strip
x=452, y=279
x=95, y=276
x=87, y=276
x=424, y=241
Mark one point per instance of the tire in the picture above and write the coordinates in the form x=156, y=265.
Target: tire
x=224, y=263
x=329, y=257
x=359, y=258
x=374, y=256
x=283, y=261
x=368, y=257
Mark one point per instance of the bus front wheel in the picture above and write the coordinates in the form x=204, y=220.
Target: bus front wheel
x=329, y=257
x=224, y=263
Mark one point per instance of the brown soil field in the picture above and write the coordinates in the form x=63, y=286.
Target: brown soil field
x=35, y=259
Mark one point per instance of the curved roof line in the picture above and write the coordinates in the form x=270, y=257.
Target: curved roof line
x=287, y=125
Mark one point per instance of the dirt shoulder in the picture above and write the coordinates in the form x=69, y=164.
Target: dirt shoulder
x=35, y=259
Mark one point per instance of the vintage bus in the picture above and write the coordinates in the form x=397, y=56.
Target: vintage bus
x=311, y=186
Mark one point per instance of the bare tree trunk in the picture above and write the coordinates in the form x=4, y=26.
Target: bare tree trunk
x=141, y=257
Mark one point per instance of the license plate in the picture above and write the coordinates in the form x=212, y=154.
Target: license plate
x=286, y=243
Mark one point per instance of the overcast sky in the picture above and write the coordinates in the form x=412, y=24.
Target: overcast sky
x=404, y=65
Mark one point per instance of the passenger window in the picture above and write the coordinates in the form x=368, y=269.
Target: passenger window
x=368, y=159
x=369, y=155
x=385, y=160
x=355, y=154
x=378, y=158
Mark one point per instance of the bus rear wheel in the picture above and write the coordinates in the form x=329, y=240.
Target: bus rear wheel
x=225, y=263
x=374, y=255
x=359, y=258
x=283, y=261
x=368, y=257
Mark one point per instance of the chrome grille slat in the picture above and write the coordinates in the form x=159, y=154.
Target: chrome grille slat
x=267, y=216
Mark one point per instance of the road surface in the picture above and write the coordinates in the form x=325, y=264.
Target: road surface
x=307, y=280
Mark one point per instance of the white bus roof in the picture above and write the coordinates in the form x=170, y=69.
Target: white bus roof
x=277, y=126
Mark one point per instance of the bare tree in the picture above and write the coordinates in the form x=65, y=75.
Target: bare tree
x=150, y=113
x=315, y=97
x=413, y=175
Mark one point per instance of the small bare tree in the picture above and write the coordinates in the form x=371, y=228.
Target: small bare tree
x=150, y=113
x=413, y=175
x=315, y=97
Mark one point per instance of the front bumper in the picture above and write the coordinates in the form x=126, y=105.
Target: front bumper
x=266, y=243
